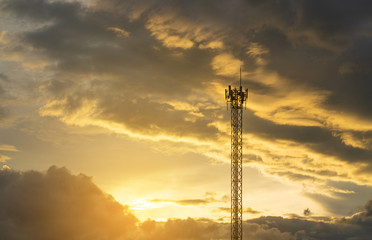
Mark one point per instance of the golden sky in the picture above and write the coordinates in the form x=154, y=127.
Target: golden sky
x=131, y=93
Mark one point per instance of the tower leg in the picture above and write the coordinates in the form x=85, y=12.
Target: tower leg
x=236, y=172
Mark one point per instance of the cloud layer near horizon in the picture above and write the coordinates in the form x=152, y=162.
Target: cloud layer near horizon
x=59, y=205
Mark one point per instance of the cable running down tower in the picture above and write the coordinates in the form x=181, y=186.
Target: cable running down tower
x=236, y=98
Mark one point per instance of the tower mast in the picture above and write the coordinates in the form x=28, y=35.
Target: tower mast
x=237, y=98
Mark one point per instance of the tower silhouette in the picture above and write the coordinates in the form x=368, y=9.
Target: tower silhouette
x=236, y=98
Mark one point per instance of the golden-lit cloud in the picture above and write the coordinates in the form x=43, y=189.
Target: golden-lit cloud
x=226, y=65
x=4, y=158
x=213, y=45
x=175, y=30
x=5, y=168
x=162, y=27
x=2, y=37
x=119, y=32
x=257, y=51
x=9, y=148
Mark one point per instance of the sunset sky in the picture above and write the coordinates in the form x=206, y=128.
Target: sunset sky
x=131, y=94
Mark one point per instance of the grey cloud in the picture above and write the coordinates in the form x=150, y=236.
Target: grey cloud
x=41, y=10
x=142, y=115
x=164, y=117
x=305, y=229
x=126, y=70
x=4, y=97
x=83, y=45
x=247, y=158
x=58, y=205
x=318, y=139
x=224, y=209
x=332, y=18
x=294, y=176
x=368, y=207
x=349, y=199
x=3, y=77
x=251, y=211
x=344, y=25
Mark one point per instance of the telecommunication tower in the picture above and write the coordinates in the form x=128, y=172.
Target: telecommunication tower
x=236, y=98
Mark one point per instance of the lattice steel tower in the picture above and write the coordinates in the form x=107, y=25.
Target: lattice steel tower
x=237, y=98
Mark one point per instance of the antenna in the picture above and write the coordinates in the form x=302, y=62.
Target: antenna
x=240, y=76
x=236, y=98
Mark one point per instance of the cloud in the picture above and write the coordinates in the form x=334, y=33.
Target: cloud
x=4, y=98
x=3, y=158
x=183, y=201
x=209, y=198
x=58, y=205
x=340, y=195
x=3, y=77
x=9, y=148
x=119, y=32
x=6, y=148
x=251, y=211
x=226, y=65
x=308, y=77
x=5, y=168
x=247, y=210
x=368, y=208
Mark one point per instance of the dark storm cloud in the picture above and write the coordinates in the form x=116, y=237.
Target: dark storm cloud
x=302, y=49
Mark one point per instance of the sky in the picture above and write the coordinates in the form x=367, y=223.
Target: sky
x=118, y=106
